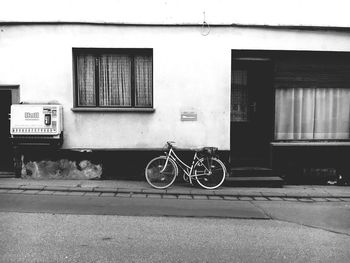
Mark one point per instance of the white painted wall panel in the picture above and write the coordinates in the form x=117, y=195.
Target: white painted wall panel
x=192, y=72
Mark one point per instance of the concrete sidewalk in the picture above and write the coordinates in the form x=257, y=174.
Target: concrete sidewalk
x=124, y=188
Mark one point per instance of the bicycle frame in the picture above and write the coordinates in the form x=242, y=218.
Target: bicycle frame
x=184, y=167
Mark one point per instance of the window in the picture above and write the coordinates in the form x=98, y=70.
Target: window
x=113, y=78
x=239, y=96
x=312, y=98
x=311, y=113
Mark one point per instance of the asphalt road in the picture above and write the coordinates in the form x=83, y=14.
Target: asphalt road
x=331, y=216
x=65, y=228
x=33, y=237
x=128, y=206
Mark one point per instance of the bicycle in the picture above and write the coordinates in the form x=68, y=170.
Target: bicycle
x=206, y=168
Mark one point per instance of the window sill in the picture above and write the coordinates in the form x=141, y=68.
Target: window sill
x=92, y=109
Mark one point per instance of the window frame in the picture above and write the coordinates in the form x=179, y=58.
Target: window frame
x=96, y=52
x=314, y=55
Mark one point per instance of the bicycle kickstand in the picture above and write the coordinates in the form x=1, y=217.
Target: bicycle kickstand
x=190, y=179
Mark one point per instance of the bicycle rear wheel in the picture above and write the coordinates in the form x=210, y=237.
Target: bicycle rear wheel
x=210, y=172
x=157, y=175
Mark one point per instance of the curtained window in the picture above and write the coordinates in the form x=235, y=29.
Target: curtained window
x=143, y=80
x=86, y=80
x=114, y=78
x=312, y=113
x=312, y=96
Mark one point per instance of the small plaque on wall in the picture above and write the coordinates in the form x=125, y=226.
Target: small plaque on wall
x=188, y=116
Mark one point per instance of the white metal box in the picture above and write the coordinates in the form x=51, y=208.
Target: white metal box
x=36, y=119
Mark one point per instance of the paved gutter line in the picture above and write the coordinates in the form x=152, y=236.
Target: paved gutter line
x=238, y=195
x=132, y=194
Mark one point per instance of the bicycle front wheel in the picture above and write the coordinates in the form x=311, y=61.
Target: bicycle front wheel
x=210, y=172
x=159, y=176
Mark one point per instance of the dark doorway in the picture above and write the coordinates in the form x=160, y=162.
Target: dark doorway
x=251, y=111
x=6, y=159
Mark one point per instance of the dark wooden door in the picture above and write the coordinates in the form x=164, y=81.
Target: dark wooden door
x=6, y=163
x=251, y=112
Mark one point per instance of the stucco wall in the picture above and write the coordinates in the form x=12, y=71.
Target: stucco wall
x=267, y=12
x=191, y=73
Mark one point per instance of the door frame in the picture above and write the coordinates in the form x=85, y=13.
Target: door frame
x=14, y=92
x=250, y=56
x=15, y=96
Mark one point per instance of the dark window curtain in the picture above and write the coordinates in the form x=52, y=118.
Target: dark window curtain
x=86, y=80
x=143, y=81
x=115, y=80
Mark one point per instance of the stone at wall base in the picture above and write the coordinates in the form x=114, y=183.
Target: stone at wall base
x=61, y=169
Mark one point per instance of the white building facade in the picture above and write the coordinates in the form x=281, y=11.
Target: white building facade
x=133, y=85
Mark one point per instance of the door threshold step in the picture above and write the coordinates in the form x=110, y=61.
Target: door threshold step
x=253, y=178
x=251, y=171
x=4, y=174
x=248, y=162
x=254, y=181
x=251, y=168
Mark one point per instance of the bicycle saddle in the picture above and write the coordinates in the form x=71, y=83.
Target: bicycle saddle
x=207, y=150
